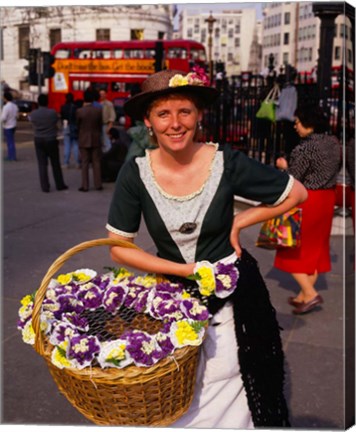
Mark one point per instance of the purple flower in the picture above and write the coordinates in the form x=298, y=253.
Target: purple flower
x=136, y=294
x=163, y=308
x=226, y=279
x=193, y=309
x=142, y=347
x=91, y=298
x=62, y=331
x=76, y=321
x=70, y=303
x=168, y=287
x=83, y=349
x=101, y=281
x=114, y=297
x=164, y=341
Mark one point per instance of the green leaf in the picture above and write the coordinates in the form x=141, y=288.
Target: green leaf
x=114, y=361
x=62, y=351
x=195, y=277
x=198, y=325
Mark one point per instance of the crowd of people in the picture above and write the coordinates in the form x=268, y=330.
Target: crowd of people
x=90, y=138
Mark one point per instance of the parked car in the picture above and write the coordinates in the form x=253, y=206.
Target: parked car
x=25, y=107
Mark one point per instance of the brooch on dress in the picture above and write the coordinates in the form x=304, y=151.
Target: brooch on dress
x=188, y=228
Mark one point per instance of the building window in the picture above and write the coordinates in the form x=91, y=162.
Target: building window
x=137, y=34
x=160, y=35
x=286, y=39
x=287, y=18
x=55, y=36
x=190, y=33
x=24, y=41
x=337, y=54
x=231, y=33
x=237, y=42
x=285, y=58
x=349, y=56
x=103, y=34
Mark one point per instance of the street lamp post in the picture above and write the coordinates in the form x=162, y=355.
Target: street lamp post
x=211, y=20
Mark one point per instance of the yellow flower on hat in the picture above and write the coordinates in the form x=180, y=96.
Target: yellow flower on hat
x=178, y=81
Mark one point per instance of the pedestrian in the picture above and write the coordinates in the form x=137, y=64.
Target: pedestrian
x=185, y=189
x=9, y=121
x=112, y=160
x=70, y=131
x=109, y=117
x=89, y=121
x=45, y=124
x=315, y=162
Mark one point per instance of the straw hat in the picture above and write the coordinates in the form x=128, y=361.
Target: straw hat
x=168, y=82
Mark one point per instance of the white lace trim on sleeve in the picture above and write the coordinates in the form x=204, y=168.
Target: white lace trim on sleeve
x=120, y=233
x=286, y=191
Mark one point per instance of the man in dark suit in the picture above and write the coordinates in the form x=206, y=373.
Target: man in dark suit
x=89, y=121
x=45, y=121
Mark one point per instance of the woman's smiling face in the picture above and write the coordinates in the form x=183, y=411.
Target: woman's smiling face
x=174, y=121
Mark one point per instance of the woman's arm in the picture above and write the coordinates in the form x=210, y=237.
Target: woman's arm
x=144, y=261
x=258, y=214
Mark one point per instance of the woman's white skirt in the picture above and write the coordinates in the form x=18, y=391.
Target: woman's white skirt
x=219, y=399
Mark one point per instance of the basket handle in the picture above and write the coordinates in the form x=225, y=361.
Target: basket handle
x=53, y=269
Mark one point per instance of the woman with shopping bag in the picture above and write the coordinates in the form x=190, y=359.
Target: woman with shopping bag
x=315, y=162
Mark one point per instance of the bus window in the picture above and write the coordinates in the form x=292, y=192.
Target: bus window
x=80, y=85
x=150, y=53
x=82, y=53
x=117, y=86
x=134, y=54
x=177, y=53
x=197, y=54
x=104, y=54
x=99, y=86
x=62, y=54
x=118, y=53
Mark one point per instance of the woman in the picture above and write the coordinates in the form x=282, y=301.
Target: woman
x=185, y=190
x=315, y=162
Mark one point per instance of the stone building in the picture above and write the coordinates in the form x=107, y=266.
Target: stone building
x=234, y=35
x=42, y=27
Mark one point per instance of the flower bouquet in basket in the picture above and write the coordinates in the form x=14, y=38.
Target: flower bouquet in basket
x=121, y=330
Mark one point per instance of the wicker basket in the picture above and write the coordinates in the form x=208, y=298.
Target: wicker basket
x=132, y=396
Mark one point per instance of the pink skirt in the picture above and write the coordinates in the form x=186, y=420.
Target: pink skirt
x=314, y=253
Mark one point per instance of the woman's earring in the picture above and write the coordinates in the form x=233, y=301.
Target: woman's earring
x=200, y=126
x=150, y=131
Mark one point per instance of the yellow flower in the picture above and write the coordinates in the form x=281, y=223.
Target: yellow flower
x=26, y=300
x=58, y=358
x=207, y=281
x=178, y=80
x=81, y=277
x=28, y=334
x=185, y=295
x=185, y=334
x=117, y=353
x=64, y=279
x=147, y=281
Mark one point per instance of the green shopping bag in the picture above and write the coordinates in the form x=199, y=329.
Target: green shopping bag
x=267, y=110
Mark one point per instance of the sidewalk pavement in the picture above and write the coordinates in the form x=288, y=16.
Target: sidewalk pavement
x=39, y=227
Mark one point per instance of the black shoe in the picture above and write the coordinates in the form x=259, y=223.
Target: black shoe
x=65, y=187
x=99, y=188
x=81, y=189
x=45, y=190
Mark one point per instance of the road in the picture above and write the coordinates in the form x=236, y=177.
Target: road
x=38, y=227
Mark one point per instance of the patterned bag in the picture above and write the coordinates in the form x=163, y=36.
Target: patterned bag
x=281, y=231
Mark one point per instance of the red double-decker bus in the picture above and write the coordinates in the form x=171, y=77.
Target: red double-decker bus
x=116, y=66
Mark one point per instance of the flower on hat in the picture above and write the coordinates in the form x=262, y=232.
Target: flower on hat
x=197, y=77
